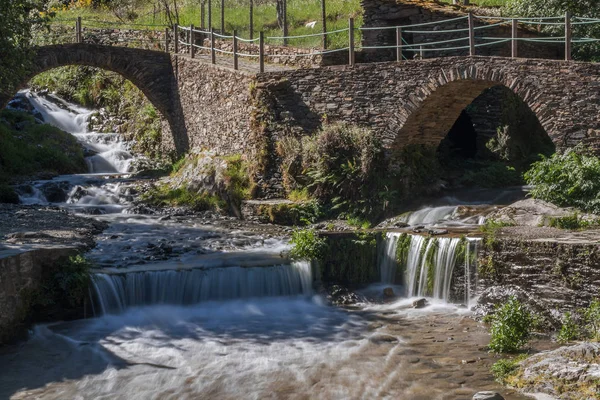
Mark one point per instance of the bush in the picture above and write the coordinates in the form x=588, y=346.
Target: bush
x=569, y=330
x=307, y=245
x=572, y=222
x=591, y=316
x=7, y=194
x=492, y=175
x=511, y=327
x=570, y=179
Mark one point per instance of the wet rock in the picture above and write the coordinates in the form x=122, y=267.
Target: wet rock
x=421, y=303
x=380, y=339
x=388, y=293
x=55, y=192
x=437, y=232
x=340, y=295
x=487, y=396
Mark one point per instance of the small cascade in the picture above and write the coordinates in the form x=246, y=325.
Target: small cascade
x=430, y=264
x=116, y=292
x=430, y=215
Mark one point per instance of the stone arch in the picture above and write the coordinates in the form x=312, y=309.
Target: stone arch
x=151, y=71
x=432, y=110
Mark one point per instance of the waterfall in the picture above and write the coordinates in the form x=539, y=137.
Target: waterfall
x=428, y=264
x=116, y=292
x=471, y=267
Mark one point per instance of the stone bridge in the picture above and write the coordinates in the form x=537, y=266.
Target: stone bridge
x=215, y=107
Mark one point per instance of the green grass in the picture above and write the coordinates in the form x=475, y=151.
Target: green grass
x=300, y=12
x=163, y=195
x=484, y=3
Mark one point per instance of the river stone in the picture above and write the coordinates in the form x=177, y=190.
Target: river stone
x=421, y=303
x=388, y=293
x=487, y=396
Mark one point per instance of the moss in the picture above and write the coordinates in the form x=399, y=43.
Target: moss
x=237, y=181
x=164, y=196
x=295, y=214
x=404, y=242
x=352, y=259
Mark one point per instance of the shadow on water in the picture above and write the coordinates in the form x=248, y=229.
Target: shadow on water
x=165, y=337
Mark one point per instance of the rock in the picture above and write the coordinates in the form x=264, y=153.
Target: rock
x=487, y=396
x=380, y=339
x=341, y=295
x=388, y=293
x=437, y=232
x=421, y=303
x=55, y=192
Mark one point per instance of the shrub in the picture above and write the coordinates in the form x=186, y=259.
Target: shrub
x=569, y=330
x=511, y=326
x=570, y=179
x=505, y=368
x=7, y=194
x=492, y=175
x=307, y=245
x=591, y=316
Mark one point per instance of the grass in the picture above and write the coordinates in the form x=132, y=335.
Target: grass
x=163, y=195
x=484, y=3
x=300, y=12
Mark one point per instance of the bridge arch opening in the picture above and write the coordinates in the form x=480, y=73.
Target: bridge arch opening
x=477, y=130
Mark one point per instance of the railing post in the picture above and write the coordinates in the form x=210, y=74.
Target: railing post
x=398, y=44
x=235, y=50
x=213, y=54
x=471, y=35
x=261, y=51
x=515, y=36
x=222, y=17
x=167, y=40
x=78, y=31
x=324, y=22
x=192, y=41
x=209, y=14
x=351, y=57
x=285, y=23
x=568, y=37
x=251, y=19
x=176, y=37
x=202, y=14
x=421, y=53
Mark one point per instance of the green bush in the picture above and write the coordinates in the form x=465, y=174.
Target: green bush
x=570, y=179
x=511, y=327
x=569, y=330
x=492, y=175
x=307, y=245
x=7, y=194
x=505, y=368
x=591, y=316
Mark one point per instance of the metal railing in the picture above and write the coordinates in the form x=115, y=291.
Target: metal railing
x=467, y=38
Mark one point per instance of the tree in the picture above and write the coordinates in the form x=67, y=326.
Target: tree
x=554, y=8
x=18, y=19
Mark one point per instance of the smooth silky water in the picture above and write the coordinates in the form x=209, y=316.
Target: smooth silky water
x=185, y=309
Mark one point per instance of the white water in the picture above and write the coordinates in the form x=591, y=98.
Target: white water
x=117, y=292
x=113, y=154
x=429, y=260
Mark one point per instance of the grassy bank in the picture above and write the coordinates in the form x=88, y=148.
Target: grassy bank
x=28, y=148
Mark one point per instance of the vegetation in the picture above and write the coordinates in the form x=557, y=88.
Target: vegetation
x=511, y=327
x=237, y=181
x=572, y=222
x=491, y=175
x=165, y=196
x=301, y=213
x=29, y=148
x=569, y=330
x=96, y=88
x=505, y=368
x=351, y=260
x=570, y=179
x=307, y=245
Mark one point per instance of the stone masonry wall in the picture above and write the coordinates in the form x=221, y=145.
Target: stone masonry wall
x=378, y=13
x=562, y=275
x=20, y=274
x=216, y=104
x=419, y=101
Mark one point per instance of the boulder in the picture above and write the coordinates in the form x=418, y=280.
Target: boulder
x=421, y=303
x=487, y=396
x=388, y=293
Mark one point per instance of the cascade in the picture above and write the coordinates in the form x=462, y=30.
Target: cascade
x=429, y=264
x=116, y=292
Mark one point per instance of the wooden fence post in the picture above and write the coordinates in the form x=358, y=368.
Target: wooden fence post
x=351, y=56
x=251, y=19
x=78, y=31
x=421, y=53
x=261, y=51
x=222, y=17
x=167, y=40
x=568, y=37
x=202, y=14
x=471, y=35
x=285, y=23
x=176, y=37
x=209, y=22
x=213, y=54
x=235, y=50
x=398, y=44
x=515, y=36
x=192, y=41
x=324, y=22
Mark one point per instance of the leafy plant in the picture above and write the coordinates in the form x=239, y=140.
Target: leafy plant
x=572, y=222
x=570, y=179
x=591, y=316
x=511, y=327
x=569, y=330
x=307, y=245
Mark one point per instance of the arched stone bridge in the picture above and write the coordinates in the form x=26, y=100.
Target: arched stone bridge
x=215, y=107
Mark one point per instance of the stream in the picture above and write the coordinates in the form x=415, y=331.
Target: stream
x=186, y=307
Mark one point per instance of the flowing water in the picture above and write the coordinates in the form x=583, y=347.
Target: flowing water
x=189, y=309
